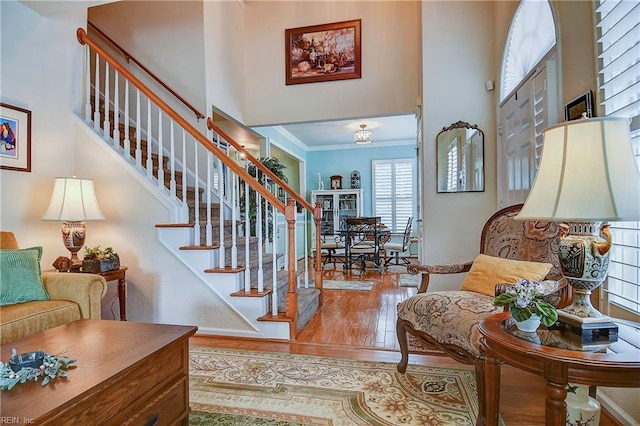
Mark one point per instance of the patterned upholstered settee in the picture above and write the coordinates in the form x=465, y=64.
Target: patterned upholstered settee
x=69, y=297
x=447, y=320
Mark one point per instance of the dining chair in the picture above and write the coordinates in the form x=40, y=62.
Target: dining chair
x=364, y=243
x=394, y=249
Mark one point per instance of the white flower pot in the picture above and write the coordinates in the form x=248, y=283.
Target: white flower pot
x=529, y=325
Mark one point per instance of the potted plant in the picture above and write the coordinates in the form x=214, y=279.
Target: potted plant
x=98, y=260
x=526, y=305
x=273, y=164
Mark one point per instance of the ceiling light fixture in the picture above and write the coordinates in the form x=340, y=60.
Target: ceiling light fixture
x=362, y=136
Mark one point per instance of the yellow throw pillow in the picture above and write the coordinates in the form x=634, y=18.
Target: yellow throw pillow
x=487, y=271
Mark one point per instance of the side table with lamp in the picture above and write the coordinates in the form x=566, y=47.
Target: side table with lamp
x=587, y=176
x=73, y=202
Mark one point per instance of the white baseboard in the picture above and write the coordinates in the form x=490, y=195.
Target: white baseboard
x=615, y=410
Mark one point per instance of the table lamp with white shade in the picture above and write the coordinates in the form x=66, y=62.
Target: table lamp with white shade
x=587, y=176
x=73, y=202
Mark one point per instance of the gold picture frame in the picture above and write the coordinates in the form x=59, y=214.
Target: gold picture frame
x=325, y=52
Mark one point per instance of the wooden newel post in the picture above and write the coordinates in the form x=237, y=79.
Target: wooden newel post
x=292, y=295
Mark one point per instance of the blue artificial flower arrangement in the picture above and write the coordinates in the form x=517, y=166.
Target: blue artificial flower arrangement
x=31, y=367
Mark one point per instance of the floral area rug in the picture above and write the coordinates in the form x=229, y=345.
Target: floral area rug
x=232, y=387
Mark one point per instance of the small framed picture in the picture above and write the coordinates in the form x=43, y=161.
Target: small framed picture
x=580, y=107
x=15, y=138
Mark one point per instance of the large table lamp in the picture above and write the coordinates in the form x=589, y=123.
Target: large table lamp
x=587, y=176
x=73, y=202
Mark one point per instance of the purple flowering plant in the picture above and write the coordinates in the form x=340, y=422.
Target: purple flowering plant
x=524, y=299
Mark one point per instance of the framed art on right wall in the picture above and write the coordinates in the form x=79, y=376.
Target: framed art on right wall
x=583, y=104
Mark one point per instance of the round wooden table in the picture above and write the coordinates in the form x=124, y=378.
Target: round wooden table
x=552, y=353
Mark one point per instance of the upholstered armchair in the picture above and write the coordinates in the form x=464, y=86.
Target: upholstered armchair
x=447, y=321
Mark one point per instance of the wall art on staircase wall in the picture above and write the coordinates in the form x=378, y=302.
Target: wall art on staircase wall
x=323, y=52
x=15, y=138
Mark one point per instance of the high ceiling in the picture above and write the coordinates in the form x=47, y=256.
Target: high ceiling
x=390, y=130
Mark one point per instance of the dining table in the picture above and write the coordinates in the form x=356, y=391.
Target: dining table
x=364, y=239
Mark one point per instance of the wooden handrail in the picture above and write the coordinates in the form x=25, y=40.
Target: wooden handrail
x=83, y=38
x=129, y=56
x=282, y=184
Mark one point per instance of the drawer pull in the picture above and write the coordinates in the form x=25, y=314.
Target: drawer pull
x=153, y=421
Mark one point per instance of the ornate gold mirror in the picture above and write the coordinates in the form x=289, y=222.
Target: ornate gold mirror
x=460, y=158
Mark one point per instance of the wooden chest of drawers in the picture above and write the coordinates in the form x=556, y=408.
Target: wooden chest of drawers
x=125, y=373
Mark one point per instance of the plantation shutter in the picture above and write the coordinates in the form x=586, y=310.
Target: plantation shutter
x=394, y=191
x=618, y=62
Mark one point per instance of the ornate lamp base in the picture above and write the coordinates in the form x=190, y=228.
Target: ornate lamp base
x=73, y=235
x=584, y=259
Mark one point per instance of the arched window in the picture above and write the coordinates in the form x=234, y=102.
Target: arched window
x=531, y=35
x=529, y=97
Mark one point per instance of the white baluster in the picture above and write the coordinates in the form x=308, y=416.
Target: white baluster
x=307, y=225
x=274, y=269
x=172, y=182
x=87, y=84
x=138, y=131
x=196, y=197
x=96, y=96
x=160, y=151
x=222, y=252
x=234, y=245
x=209, y=228
x=116, y=110
x=184, y=167
x=247, y=236
x=149, y=138
x=259, y=234
x=106, y=124
x=127, y=141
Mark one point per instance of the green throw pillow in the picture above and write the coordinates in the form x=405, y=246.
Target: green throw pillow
x=20, y=276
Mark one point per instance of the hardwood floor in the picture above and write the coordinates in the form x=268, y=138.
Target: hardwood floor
x=361, y=325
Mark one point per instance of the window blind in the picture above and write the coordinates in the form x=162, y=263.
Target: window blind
x=617, y=30
x=394, y=191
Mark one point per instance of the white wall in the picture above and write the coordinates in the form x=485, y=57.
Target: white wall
x=40, y=66
x=455, y=35
x=225, y=32
x=390, y=62
x=158, y=37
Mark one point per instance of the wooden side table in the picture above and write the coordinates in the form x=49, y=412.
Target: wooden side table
x=120, y=276
x=545, y=353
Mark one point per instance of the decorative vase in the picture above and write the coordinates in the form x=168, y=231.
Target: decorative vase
x=530, y=325
x=582, y=410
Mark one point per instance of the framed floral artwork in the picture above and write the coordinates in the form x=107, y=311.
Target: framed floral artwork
x=15, y=138
x=323, y=52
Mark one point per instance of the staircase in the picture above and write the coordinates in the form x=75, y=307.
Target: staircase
x=273, y=300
